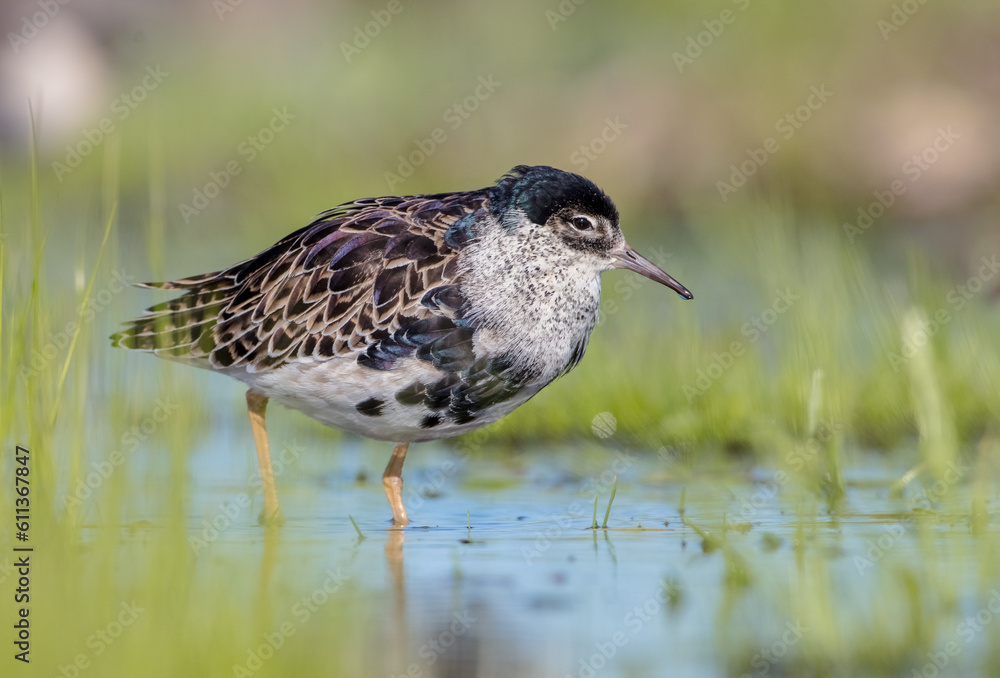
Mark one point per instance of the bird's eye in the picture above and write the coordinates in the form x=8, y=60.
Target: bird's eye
x=581, y=223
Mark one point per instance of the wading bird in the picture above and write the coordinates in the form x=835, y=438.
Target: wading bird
x=406, y=318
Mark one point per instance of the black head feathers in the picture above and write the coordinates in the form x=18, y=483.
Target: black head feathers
x=541, y=191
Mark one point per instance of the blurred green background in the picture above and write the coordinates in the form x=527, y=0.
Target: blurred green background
x=823, y=177
x=845, y=154
x=661, y=105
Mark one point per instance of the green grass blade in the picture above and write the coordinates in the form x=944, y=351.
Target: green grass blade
x=79, y=318
x=358, y=529
x=607, y=512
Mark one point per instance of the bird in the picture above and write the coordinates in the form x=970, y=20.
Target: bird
x=405, y=318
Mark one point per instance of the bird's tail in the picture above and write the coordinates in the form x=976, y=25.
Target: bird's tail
x=181, y=328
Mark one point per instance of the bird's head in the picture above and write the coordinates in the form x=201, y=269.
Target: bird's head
x=575, y=215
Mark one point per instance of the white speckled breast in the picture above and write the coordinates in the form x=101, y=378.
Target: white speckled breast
x=540, y=308
x=329, y=391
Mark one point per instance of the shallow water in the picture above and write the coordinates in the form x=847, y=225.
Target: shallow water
x=529, y=589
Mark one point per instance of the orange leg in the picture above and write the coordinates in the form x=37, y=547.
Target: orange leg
x=392, y=481
x=256, y=406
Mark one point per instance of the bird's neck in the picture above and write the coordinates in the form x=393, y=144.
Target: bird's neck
x=530, y=299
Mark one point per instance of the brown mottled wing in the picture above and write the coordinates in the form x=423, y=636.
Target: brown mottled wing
x=370, y=279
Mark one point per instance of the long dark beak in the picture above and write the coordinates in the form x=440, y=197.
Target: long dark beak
x=633, y=261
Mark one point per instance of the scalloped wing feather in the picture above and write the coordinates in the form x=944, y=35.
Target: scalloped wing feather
x=371, y=279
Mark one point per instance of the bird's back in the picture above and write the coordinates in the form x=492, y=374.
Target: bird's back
x=342, y=285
